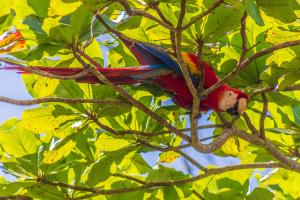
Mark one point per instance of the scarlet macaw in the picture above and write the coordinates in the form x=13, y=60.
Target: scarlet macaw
x=161, y=69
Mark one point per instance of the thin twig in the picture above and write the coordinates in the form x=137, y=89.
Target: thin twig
x=249, y=60
x=198, y=195
x=200, y=16
x=187, y=78
x=59, y=100
x=102, y=126
x=148, y=185
x=262, y=90
x=130, y=11
x=250, y=125
x=263, y=116
x=130, y=178
x=200, y=44
x=274, y=89
x=92, y=61
x=164, y=19
x=269, y=147
x=36, y=70
x=15, y=197
x=154, y=134
x=191, y=160
x=136, y=103
x=182, y=14
x=216, y=144
x=176, y=149
x=292, y=88
x=243, y=35
x=124, y=37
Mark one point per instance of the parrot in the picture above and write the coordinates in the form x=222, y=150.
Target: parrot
x=161, y=69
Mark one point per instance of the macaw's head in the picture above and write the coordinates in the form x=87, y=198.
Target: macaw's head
x=232, y=101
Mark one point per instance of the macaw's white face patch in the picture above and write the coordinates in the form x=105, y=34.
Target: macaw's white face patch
x=227, y=100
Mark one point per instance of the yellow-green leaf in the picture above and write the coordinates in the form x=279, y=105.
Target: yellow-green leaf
x=108, y=143
x=55, y=155
x=168, y=156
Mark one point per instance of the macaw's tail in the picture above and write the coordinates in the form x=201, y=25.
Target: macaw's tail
x=129, y=75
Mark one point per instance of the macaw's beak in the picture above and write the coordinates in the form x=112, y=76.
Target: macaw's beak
x=238, y=108
x=234, y=110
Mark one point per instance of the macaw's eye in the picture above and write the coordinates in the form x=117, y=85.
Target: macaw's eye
x=234, y=111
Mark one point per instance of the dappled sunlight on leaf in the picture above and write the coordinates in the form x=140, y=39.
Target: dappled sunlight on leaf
x=54, y=155
x=168, y=157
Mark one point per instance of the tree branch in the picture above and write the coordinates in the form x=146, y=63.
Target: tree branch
x=36, y=70
x=154, y=5
x=200, y=16
x=130, y=178
x=216, y=144
x=176, y=149
x=187, y=78
x=263, y=116
x=243, y=35
x=198, y=195
x=200, y=44
x=191, y=160
x=182, y=14
x=92, y=61
x=130, y=11
x=274, y=88
x=15, y=197
x=58, y=100
x=249, y=60
x=148, y=185
x=250, y=125
x=136, y=103
x=124, y=37
x=269, y=147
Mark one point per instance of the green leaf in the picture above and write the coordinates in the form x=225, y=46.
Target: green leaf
x=104, y=165
x=296, y=112
x=70, y=89
x=262, y=193
x=284, y=131
x=42, y=121
x=108, y=143
x=281, y=10
x=168, y=156
x=161, y=173
x=13, y=188
x=84, y=144
x=40, y=7
x=17, y=141
x=285, y=180
x=41, y=86
x=221, y=21
x=54, y=155
x=253, y=11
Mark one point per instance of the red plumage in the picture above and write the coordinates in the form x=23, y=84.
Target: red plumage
x=161, y=69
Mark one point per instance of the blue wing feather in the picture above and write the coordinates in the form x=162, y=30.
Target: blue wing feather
x=147, y=55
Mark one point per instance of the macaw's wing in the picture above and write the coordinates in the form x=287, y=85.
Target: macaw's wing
x=192, y=64
x=129, y=75
x=147, y=55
